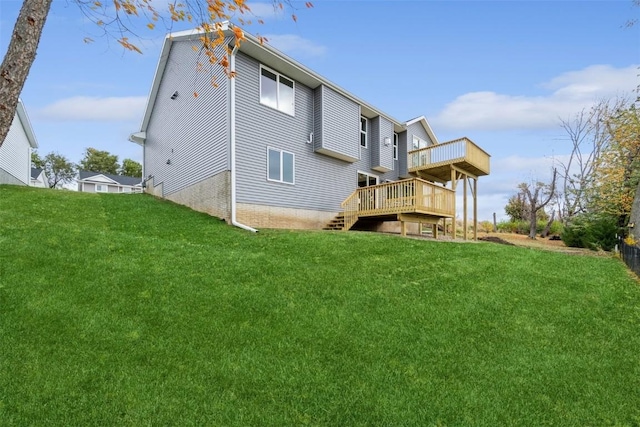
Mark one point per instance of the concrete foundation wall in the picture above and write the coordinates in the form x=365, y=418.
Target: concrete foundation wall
x=7, y=178
x=260, y=216
x=211, y=195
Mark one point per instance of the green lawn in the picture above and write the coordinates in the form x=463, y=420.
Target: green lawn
x=126, y=310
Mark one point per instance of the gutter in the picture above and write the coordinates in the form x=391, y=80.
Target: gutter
x=232, y=118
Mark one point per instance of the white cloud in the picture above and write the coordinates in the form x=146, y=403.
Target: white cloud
x=295, y=45
x=569, y=93
x=104, y=109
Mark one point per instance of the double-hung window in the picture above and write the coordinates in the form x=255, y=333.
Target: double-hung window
x=280, y=166
x=101, y=188
x=395, y=146
x=276, y=91
x=363, y=132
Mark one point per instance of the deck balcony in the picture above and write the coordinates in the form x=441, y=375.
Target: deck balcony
x=421, y=199
x=436, y=162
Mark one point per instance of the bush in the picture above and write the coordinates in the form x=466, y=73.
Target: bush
x=522, y=227
x=556, y=228
x=591, y=231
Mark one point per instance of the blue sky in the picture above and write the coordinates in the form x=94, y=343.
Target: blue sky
x=499, y=72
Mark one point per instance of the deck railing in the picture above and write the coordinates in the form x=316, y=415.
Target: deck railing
x=410, y=195
x=457, y=151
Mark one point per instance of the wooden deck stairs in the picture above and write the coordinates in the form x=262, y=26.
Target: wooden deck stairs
x=336, y=224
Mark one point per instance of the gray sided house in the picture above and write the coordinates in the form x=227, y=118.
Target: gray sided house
x=100, y=182
x=15, y=153
x=279, y=146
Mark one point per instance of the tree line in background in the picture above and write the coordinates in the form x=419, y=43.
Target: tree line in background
x=61, y=170
x=592, y=192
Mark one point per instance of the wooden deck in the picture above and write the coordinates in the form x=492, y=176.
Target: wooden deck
x=436, y=162
x=412, y=199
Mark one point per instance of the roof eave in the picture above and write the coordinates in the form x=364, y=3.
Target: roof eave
x=26, y=124
x=252, y=46
x=426, y=126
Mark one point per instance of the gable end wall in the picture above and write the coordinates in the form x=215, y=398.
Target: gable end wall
x=15, y=156
x=188, y=137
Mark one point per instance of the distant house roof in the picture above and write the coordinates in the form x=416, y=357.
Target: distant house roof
x=35, y=172
x=120, y=179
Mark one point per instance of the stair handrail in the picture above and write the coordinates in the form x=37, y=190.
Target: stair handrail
x=350, y=207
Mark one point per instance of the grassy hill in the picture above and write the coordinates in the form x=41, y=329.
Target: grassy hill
x=126, y=310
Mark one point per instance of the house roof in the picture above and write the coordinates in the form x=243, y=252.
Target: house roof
x=35, y=172
x=269, y=56
x=119, y=179
x=26, y=124
x=425, y=124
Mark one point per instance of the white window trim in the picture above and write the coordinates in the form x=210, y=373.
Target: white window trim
x=395, y=146
x=101, y=185
x=364, y=132
x=281, y=168
x=421, y=142
x=278, y=75
x=367, y=174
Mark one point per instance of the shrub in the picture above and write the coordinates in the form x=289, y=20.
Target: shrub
x=591, y=231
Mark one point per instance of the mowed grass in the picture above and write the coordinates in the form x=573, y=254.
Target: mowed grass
x=126, y=310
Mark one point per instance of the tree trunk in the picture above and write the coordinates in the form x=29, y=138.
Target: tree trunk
x=533, y=224
x=547, y=228
x=19, y=57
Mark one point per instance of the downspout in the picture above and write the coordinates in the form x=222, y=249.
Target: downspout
x=232, y=118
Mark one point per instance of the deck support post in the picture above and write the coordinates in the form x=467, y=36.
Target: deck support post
x=403, y=228
x=454, y=182
x=434, y=230
x=475, y=209
x=464, y=207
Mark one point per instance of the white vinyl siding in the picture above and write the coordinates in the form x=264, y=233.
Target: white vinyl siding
x=277, y=91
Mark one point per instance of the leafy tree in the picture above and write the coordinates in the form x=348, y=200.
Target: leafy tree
x=515, y=208
x=634, y=219
x=99, y=161
x=117, y=19
x=36, y=161
x=518, y=208
x=603, y=170
x=617, y=170
x=58, y=168
x=131, y=168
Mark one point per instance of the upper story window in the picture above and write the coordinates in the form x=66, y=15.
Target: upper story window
x=276, y=91
x=363, y=132
x=395, y=146
x=419, y=143
x=280, y=166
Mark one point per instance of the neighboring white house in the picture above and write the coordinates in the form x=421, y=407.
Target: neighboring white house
x=99, y=182
x=39, y=178
x=15, y=152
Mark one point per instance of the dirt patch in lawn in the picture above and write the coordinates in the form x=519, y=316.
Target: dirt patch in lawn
x=538, y=243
